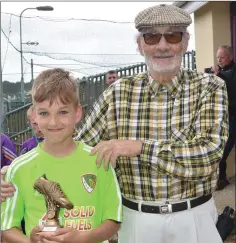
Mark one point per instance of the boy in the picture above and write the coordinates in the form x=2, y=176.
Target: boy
x=8, y=150
x=94, y=192
x=37, y=134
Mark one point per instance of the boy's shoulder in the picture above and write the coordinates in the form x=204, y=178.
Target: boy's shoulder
x=91, y=159
x=5, y=139
x=83, y=156
x=23, y=163
x=84, y=152
x=86, y=148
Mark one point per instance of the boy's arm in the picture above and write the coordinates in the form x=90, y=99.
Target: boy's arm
x=14, y=235
x=111, y=202
x=13, y=208
x=7, y=188
x=111, y=199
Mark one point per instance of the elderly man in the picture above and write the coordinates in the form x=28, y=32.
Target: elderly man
x=226, y=70
x=165, y=131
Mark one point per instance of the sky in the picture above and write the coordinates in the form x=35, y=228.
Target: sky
x=71, y=36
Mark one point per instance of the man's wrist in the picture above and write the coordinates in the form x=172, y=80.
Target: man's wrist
x=139, y=147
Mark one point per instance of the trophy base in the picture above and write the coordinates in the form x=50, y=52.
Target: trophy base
x=50, y=228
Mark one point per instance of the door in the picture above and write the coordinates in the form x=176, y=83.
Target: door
x=233, y=27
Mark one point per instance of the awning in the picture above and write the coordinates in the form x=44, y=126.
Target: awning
x=189, y=7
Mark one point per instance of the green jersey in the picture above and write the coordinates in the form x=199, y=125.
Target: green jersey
x=93, y=191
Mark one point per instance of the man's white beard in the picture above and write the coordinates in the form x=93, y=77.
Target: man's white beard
x=173, y=65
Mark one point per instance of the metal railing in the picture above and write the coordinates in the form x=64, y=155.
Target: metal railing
x=90, y=88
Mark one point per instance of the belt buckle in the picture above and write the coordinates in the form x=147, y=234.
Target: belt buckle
x=166, y=208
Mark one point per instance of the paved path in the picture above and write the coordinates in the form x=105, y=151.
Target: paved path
x=226, y=197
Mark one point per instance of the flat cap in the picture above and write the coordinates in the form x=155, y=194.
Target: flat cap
x=162, y=15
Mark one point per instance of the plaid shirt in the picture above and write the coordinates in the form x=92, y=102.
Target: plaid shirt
x=183, y=126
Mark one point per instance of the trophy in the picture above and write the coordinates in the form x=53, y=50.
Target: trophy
x=55, y=199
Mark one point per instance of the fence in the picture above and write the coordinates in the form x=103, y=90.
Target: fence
x=90, y=88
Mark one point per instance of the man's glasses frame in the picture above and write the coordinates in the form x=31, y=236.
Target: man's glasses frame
x=170, y=37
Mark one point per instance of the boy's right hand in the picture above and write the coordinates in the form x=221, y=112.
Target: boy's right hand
x=7, y=188
x=34, y=236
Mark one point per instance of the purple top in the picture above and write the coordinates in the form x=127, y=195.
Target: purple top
x=30, y=144
x=8, y=150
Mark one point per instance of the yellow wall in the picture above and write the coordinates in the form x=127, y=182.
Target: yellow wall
x=212, y=29
x=203, y=37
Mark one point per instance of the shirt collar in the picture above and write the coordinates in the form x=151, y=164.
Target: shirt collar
x=230, y=65
x=173, y=87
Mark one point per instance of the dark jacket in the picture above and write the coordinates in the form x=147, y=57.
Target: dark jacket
x=228, y=74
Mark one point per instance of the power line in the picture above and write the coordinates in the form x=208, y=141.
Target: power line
x=13, y=45
x=46, y=54
x=8, y=74
x=84, y=54
x=61, y=64
x=71, y=58
x=8, y=38
x=47, y=65
x=60, y=19
x=76, y=64
x=83, y=68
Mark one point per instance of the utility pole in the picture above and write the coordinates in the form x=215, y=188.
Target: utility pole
x=32, y=71
x=40, y=8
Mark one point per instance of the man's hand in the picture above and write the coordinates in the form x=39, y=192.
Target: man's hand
x=112, y=149
x=63, y=235
x=7, y=188
x=215, y=69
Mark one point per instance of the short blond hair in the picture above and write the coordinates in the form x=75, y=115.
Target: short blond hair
x=54, y=83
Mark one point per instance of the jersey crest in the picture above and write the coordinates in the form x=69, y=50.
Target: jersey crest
x=89, y=182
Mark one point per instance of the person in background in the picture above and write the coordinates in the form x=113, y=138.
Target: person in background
x=226, y=69
x=111, y=77
x=8, y=150
x=37, y=137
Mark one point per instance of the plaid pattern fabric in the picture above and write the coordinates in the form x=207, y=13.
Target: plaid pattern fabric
x=183, y=126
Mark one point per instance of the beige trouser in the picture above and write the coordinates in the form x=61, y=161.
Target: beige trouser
x=196, y=225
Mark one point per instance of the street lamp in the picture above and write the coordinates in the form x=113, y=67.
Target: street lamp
x=31, y=43
x=40, y=8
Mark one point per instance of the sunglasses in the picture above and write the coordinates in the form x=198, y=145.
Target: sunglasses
x=154, y=38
